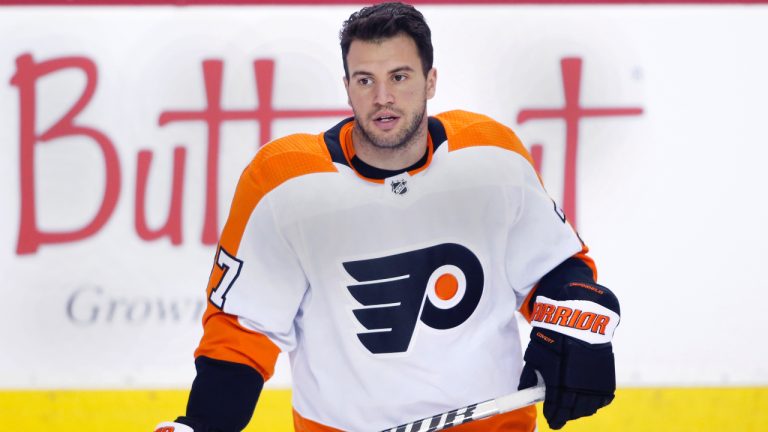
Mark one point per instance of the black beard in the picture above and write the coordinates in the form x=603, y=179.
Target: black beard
x=399, y=142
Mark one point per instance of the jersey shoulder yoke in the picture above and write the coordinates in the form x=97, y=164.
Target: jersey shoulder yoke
x=467, y=129
x=288, y=157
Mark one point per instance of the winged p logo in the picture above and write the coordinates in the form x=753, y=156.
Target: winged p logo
x=440, y=285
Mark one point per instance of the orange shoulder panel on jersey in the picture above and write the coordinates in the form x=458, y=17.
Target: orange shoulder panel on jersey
x=281, y=160
x=522, y=420
x=467, y=129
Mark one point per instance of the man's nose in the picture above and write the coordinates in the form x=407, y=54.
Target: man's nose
x=383, y=94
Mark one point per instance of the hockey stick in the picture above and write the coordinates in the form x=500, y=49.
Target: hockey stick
x=510, y=402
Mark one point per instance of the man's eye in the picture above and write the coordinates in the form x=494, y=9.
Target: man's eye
x=399, y=77
x=364, y=81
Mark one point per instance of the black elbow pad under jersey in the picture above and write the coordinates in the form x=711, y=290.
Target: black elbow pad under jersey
x=223, y=396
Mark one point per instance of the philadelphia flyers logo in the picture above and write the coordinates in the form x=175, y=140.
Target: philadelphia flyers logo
x=440, y=285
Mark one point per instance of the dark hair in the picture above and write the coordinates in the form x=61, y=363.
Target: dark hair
x=383, y=21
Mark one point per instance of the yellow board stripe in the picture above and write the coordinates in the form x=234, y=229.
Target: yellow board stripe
x=635, y=409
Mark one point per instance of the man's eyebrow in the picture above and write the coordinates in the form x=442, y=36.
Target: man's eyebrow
x=361, y=72
x=401, y=69
x=395, y=70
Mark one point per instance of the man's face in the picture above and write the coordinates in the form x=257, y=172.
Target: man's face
x=387, y=89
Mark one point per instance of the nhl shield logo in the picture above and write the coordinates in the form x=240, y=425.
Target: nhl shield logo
x=399, y=187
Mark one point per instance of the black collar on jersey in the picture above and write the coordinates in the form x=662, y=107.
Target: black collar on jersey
x=372, y=172
x=333, y=143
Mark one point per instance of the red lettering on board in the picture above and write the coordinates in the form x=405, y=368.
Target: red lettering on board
x=31, y=237
x=214, y=116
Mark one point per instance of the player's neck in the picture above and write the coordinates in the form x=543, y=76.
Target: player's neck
x=391, y=158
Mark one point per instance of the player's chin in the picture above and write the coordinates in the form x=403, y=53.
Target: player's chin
x=384, y=139
x=386, y=144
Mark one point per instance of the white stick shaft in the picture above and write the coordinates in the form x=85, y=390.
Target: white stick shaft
x=510, y=402
x=521, y=398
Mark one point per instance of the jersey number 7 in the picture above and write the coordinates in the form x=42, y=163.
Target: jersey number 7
x=231, y=267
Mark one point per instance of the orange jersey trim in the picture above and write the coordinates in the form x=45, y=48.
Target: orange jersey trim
x=522, y=420
x=348, y=147
x=277, y=162
x=465, y=129
x=301, y=424
x=225, y=339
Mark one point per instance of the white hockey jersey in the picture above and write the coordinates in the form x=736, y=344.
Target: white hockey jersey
x=395, y=298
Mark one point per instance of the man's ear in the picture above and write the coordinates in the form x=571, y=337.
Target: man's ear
x=346, y=88
x=431, y=83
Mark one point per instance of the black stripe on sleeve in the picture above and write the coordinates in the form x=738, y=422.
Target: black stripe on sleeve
x=223, y=395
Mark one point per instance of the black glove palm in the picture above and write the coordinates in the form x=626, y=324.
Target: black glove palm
x=580, y=377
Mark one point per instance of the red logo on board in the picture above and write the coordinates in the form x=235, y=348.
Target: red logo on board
x=28, y=72
x=572, y=113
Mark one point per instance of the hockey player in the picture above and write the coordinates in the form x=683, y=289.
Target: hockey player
x=387, y=256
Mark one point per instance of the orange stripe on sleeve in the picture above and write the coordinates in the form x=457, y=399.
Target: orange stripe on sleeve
x=279, y=161
x=225, y=339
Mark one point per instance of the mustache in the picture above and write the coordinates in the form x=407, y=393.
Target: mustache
x=385, y=111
